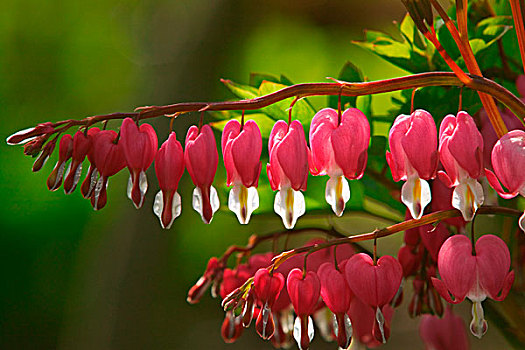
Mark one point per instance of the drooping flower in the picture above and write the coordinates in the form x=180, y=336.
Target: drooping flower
x=375, y=284
x=339, y=150
x=304, y=291
x=461, y=153
x=109, y=160
x=447, y=333
x=139, y=145
x=442, y=200
x=169, y=167
x=241, y=150
x=267, y=288
x=508, y=162
x=65, y=150
x=201, y=159
x=364, y=324
x=88, y=185
x=288, y=170
x=337, y=296
x=82, y=143
x=413, y=157
x=474, y=274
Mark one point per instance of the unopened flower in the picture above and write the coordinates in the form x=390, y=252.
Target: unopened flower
x=65, y=150
x=81, y=145
x=267, y=287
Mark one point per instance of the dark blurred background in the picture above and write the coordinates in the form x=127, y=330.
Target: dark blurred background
x=76, y=279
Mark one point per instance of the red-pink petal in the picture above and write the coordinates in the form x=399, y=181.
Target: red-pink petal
x=304, y=291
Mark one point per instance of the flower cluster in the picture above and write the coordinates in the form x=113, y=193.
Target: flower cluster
x=346, y=294
x=338, y=148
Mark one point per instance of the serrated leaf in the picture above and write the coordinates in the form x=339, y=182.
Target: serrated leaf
x=399, y=53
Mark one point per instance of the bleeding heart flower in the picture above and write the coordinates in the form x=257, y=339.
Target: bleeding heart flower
x=169, y=167
x=339, y=149
x=375, y=284
x=109, y=160
x=304, y=291
x=413, y=157
x=139, y=145
x=81, y=147
x=231, y=328
x=65, y=150
x=337, y=296
x=508, y=161
x=90, y=181
x=241, y=150
x=267, y=288
x=461, y=153
x=201, y=159
x=288, y=170
x=447, y=333
x=474, y=274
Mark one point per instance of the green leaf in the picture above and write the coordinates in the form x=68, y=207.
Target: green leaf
x=409, y=30
x=241, y=91
x=493, y=28
x=256, y=79
x=400, y=53
x=301, y=111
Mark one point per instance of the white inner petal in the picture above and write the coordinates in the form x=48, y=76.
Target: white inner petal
x=243, y=201
x=297, y=330
x=415, y=194
x=478, y=325
x=198, y=204
x=467, y=198
x=337, y=193
x=380, y=319
x=289, y=205
x=176, y=207
x=522, y=222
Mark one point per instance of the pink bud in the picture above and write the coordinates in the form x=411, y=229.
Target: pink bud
x=413, y=157
x=231, y=328
x=65, y=149
x=201, y=159
x=376, y=284
x=288, y=170
x=29, y=134
x=139, y=146
x=474, y=276
x=447, y=333
x=169, y=167
x=213, y=269
x=109, y=160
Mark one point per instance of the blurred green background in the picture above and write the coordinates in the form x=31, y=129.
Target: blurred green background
x=76, y=279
